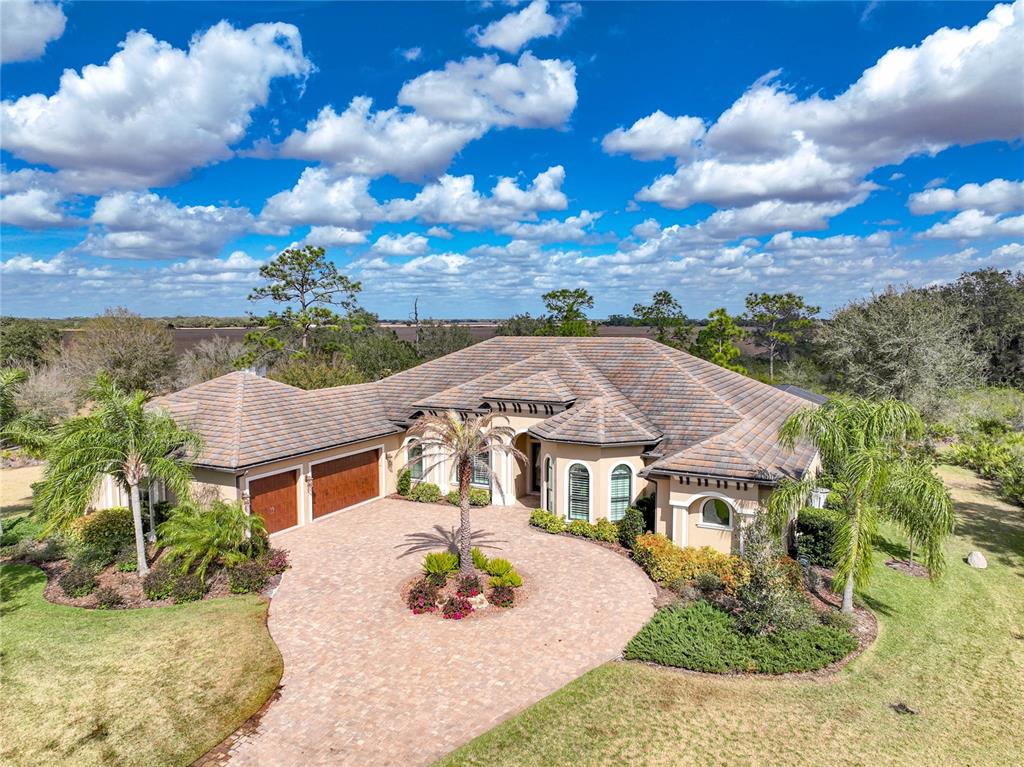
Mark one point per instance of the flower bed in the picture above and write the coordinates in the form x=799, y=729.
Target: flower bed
x=443, y=590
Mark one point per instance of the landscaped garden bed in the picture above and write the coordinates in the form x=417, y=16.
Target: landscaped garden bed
x=492, y=586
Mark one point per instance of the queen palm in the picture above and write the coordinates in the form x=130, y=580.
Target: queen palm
x=464, y=441
x=864, y=447
x=119, y=437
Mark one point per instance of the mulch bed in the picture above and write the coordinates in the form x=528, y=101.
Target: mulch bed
x=521, y=595
x=915, y=569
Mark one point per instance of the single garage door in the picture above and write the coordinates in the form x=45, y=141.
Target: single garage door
x=345, y=481
x=275, y=498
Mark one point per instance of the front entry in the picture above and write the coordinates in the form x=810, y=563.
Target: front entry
x=535, y=467
x=275, y=499
x=342, y=482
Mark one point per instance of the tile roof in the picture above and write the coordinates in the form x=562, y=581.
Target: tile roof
x=695, y=417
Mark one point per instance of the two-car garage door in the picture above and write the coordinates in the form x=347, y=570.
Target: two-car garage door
x=337, y=484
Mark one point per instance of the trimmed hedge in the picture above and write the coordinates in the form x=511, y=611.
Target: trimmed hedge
x=425, y=492
x=665, y=562
x=477, y=497
x=630, y=526
x=602, y=530
x=703, y=637
x=815, y=534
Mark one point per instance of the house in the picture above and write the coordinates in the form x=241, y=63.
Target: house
x=603, y=422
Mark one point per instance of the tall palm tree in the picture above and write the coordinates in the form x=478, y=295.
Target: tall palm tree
x=463, y=441
x=119, y=437
x=26, y=430
x=863, y=446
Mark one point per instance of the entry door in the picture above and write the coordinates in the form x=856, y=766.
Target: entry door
x=535, y=466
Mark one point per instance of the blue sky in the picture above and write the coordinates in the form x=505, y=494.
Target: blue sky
x=475, y=155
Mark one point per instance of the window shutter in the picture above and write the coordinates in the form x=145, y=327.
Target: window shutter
x=416, y=461
x=579, y=492
x=549, y=487
x=481, y=470
x=622, y=478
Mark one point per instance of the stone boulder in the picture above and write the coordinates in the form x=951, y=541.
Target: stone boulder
x=977, y=559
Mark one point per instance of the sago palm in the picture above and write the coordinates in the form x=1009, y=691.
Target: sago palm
x=463, y=441
x=863, y=447
x=223, y=532
x=119, y=437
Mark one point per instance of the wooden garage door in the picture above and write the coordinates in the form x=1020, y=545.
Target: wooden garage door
x=276, y=500
x=345, y=481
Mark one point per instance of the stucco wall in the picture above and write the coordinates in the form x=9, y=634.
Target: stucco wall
x=600, y=462
x=686, y=500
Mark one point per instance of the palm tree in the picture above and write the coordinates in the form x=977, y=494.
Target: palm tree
x=24, y=429
x=463, y=441
x=119, y=437
x=863, y=446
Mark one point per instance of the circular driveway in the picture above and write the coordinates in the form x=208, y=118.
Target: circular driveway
x=366, y=682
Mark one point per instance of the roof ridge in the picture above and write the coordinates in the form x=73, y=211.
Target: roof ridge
x=670, y=354
x=239, y=414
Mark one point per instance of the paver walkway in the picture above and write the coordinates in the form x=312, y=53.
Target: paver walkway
x=366, y=682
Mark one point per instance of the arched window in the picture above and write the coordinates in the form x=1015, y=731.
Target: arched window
x=549, y=485
x=415, y=452
x=579, y=492
x=621, y=492
x=716, y=512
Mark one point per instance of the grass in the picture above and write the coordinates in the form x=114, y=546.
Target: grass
x=953, y=651
x=155, y=686
x=16, y=490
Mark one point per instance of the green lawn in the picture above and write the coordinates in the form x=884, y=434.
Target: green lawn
x=157, y=686
x=953, y=651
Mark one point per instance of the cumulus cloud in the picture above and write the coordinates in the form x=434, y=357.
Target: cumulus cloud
x=996, y=196
x=440, y=232
x=400, y=245
x=361, y=141
x=570, y=229
x=411, y=54
x=22, y=264
x=773, y=145
x=531, y=93
x=513, y=31
x=33, y=209
x=333, y=236
x=325, y=199
x=176, y=110
x=656, y=137
x=147, y=226
x=974, y=225
x=27, y=26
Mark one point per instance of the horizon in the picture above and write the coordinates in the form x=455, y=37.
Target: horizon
x=477, y=155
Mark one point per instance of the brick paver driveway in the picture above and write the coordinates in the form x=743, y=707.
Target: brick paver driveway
x=366, y=682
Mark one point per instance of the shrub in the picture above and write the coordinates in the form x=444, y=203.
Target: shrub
x=425, y=492
x=24, y=528
x=703, y=637
x=479, y=559
x=108, y=598
x=198, y=537
x=78, y=582
x=630, y=526
x=127, y=560
x=187, y=587
x=498, y=566
x=455, y=608
x=815, y=534
x=107, y=530
x=468, y=586
x=502, y=596
x=582, y=528
x=423, y=597
x=708, y=582
x=547, y=521
x=438, y=565
x=32, y=553
x=404, y=482
x=607, y=531
x=477, y=497
x=158, y=581
x=664, y=562
x=837, y=620
x=277, y=561
x=511, y=579
x=684, y=589
x=248, y=577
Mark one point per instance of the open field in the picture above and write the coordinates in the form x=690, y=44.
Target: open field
x=157, y=686
x=953, y=652
x=16, y=489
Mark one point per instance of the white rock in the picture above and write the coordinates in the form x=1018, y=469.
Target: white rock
x=479, y=602
x=977, y=559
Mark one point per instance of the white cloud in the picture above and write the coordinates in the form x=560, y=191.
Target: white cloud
x=771, y=144
x=512, y=32
x=975, y=224
x=656, y=137
x=23, y=264
x=333, y=236
x=364, y=142
x=570, y=229
x=153, y=112
x=411, y=54
x=996, y=196
x=400, y=245
x=532, y=93
x=237, y=261
x=453, y=200
x=772, y=216
x=440, y=232
x=27, y=26
x=33, y=209
x=147, y=226
x=322, y=198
